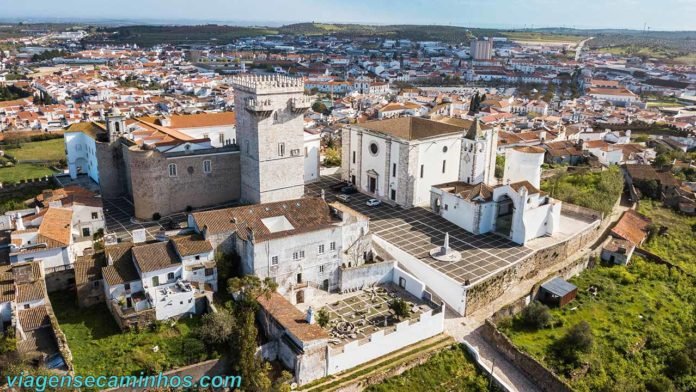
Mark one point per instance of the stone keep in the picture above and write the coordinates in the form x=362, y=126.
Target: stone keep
x=270, y=132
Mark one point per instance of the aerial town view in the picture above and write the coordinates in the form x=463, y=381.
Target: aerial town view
x=301, y=195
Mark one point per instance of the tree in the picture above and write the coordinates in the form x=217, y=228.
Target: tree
x=319, y=107
x=332, y=157
x=536, y=315
x=400, y=308
x=577, y=340
x=323, y=317
x=217, y=328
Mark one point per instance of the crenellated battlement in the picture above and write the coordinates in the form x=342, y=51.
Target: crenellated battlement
x=268, y=84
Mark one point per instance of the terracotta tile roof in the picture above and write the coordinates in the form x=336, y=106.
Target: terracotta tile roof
x=642, y=172
x=411, y=128
x=184, y=121
x=89, y=128
x=55, y=227
x=531, y=189
x=155, y=256
x=304, y=215
x=27, y=292
x=88, y=268
x=632, y=227
x=617, y=244
x=479, y=192
x=191, y=245
x=33, y=318
x=595, y=144
x=7, y=290
x=530, y=149
x=290, y=318
x=122, y=269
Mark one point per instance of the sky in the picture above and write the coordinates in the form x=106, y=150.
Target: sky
x=631, y=14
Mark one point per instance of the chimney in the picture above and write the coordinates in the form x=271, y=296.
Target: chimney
x=310, y=315
x=19, y=223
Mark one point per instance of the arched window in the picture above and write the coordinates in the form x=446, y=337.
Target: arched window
x=172, y=170
x=117, y=126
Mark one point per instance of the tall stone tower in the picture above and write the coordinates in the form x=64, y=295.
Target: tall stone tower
x=477, y=162
x=270, y=132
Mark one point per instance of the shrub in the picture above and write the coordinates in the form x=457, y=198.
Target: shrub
x=536, y=315
x=323, y=317
x=332, y=157
x=400, y=308
x=578, y=339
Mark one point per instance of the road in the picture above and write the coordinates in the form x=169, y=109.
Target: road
x=578, y=49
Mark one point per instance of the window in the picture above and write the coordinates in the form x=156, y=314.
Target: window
x=298, y=255
x=26, y=306
x=172, y=170
x=95, y=284
x=332, y=246
x=207, y=166
x=126, y=286
x=421, y=171
x=198, y=257
x=85, y=231
x=274, y=260
x=321, y=268
x=444, y=165
x=353, y=156
x=155, y=281
x=321, y=249
x=205, y=136
x=302, y=254
x=221, y=138
x=281, y=149
x=95, y=215
x=393, y=194
x=170, y=276
x=209, y=271
x=394, y=170
x=444, y=149
x=374, y=149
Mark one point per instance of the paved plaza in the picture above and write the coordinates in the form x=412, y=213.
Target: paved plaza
x=418, y=230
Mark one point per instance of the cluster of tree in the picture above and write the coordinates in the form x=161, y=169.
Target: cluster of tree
x=320, y=107
x=332, y=157
x=475, y=103
x=598, y=191
x=233, y=330
x=576, y=341
x=48, y=55
x=10, y=92
x=535, y=316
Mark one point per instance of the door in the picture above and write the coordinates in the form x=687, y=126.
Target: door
x=129, y=303
x=352, y=180
x=155, y=281
x=373, y=185
x=299, y=297
x=325, y=285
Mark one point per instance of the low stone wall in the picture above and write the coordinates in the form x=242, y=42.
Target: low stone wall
x=542, y=377
x=659, y=260
x=484, y=293
x=582, y=213
x=366, y=275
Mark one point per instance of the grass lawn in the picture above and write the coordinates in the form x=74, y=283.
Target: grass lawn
x=641, y=318
x=99, y=347
x=448, y=370
x=23, y=171
x=598, y=191
x=542, y=37
x=678, y=244
x=46, y=150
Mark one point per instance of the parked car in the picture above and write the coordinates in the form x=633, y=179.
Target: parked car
x=344, y=198
x=373, y=202
x=339, y=186
x=349, y=190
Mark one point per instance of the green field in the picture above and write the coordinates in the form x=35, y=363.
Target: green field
x=678, y=244
x=598, y=191
x=542, y=37
x=99, y=347
x=449, y=370
x=642, y=318
x=46, y=150
x=23, y=171
x=663, y=53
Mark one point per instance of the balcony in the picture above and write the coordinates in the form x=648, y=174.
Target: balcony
x=301, y=104
x=262, y=108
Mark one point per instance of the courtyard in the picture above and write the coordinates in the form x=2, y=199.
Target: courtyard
x=356, y=316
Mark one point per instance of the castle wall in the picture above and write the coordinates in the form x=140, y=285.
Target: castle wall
x=111, y=170
x=154, y=191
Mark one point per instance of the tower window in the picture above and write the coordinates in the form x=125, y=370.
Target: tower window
x=444, y=165
x=421, y=171
x=207, y=166
x=353, y=156
x=394, y=170
x=281, y=149
x=221, y=138
x=172, y=170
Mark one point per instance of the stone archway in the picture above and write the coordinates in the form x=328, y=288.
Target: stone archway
x=504, y=215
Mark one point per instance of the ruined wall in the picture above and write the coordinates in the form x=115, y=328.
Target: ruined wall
x=366, y=275
x=543, y=378
x=88, y=294
x=484, y=293
x=154, y=191
x=60, y=280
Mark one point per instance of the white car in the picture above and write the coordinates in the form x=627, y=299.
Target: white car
x=373, y=202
